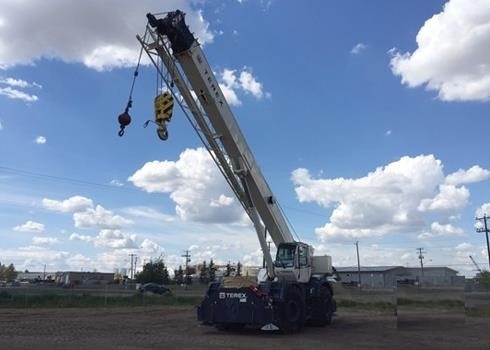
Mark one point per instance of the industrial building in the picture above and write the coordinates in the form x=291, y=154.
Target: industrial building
x=390, y=276
x=72, y=278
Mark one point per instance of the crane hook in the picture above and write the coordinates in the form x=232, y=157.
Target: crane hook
x=162, y=130
x=124, y=119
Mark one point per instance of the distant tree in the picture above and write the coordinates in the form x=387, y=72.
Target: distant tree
x=204, y=273
x=8, y=273
x=212, y=271
x=179, y=275
x=188, y=275
x=153, y=271
x=484, y=278
x=228, y=270
x=238, y=269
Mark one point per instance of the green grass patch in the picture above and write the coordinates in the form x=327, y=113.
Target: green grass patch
x=443, y=303
x=55, y=300
x=375, y=305
x=477, y=312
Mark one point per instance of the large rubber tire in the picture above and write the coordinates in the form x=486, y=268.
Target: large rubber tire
x=323, y=308
x=292, y=311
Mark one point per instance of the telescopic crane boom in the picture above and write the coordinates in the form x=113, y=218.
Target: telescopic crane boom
x=218, y=128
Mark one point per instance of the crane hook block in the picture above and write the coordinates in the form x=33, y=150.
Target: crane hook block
x=124, y=120
x=164, y=104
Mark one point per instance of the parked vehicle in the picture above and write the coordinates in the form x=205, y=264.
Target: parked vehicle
x=154, y=288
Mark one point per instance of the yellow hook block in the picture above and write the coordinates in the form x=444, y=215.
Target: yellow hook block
x=164, y=104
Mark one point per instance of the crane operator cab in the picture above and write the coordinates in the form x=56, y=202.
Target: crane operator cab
x=293, y=261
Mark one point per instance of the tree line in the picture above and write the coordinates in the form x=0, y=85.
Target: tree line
x=8, y=273
x=157, y=272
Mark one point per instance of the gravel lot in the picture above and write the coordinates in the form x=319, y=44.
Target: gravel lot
x=165, y=327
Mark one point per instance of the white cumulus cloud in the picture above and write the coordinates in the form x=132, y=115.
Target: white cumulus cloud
x=233, y=82
x=108, y=238
x=79, y=237
x=30, y=226
x=452, y=55
x=41, y=140
x=473, y=174
x=194, y=184
x=99, y=217
x=17, y=94
x=116, y=182
x=114, y=239
x=70, y=205
x=15, y=82
x=85, y=214
x=358, y=48
x=98, y=34
x=13, y=89
x=483, y=210
x=464, y=246
x=396, y=198
x=150, y=248
x=44, y=240
x=250, y=84
x=446, y=229
x=449, y=198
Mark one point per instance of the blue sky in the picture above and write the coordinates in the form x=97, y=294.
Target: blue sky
x=368, y=119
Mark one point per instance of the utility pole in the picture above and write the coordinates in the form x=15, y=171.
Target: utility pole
x=131, y=273
x=484, y=229
x=358, y=265
x=187, y=257
x=421, y=257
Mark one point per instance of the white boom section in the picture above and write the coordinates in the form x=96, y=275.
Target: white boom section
x=218, y=129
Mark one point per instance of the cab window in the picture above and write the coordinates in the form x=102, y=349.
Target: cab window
x=285, y=256
x=303, y=256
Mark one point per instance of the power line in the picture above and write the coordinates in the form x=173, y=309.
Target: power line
x=61, y=179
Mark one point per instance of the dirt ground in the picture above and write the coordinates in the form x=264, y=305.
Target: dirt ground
x=166, y=327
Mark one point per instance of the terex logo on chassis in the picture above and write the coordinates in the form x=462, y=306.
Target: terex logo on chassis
x=224, y=295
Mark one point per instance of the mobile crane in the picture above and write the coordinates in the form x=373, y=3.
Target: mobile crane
x=294, y=289
x=476, y=265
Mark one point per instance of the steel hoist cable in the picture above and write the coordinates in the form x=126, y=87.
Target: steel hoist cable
x=124, y=118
